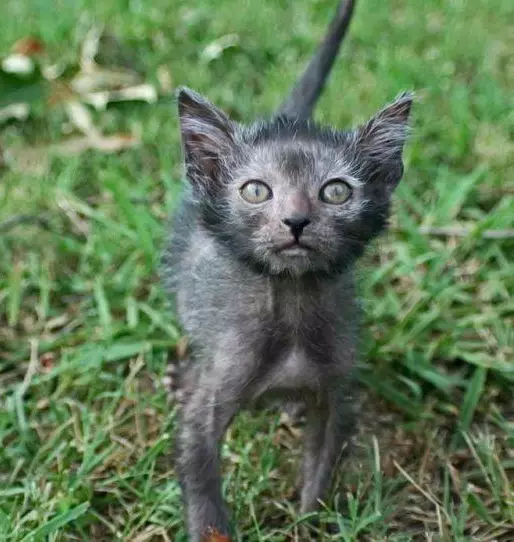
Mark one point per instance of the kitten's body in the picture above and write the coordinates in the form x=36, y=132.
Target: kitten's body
x=264, y=286
x=287, y=335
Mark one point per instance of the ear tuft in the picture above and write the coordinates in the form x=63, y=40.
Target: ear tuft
x=383, y=137
x=381, y=141
x=207, y=134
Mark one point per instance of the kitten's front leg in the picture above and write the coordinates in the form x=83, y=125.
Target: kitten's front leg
x=203, y=422
x=207, y=409
x=329, y=426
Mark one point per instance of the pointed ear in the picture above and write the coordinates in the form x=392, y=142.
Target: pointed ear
x=381, y=141
x=207, y=134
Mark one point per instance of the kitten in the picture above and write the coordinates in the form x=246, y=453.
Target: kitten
x=260, y=260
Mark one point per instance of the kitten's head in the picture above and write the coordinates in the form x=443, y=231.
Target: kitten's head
x=290, y=197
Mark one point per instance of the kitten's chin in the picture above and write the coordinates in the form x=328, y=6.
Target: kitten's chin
x=297, y=261
x=291, y=261
x=294, y=261
x=294, y=251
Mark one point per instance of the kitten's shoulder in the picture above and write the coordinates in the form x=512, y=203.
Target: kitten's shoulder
x=180, y=232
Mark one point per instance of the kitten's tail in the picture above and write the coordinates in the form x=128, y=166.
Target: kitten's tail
x=302, y=99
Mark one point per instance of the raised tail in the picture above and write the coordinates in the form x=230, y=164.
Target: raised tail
x=301, y=101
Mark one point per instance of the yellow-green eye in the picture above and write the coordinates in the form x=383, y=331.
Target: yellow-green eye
x=255, y=192
x=335, y=192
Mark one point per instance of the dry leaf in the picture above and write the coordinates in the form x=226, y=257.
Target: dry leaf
x=165, y=79
x=57, y=322
x=24, y=83
x=98, y=79
x=29, y=46
x=36, y=160
x=81, y=118
x=18, y=111
x=108, y=144
x=19, y=64
x=99, y=100
x=212, y=535
x=115, y=143
x=89, y=48
x=47, y=361
x=215, y=49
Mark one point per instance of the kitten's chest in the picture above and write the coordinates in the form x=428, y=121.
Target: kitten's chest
x=291, y=373
x=299, y=331
x=299, y=340
x=298, y=308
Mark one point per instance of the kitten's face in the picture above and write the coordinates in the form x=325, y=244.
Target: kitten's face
x=291, y=198
x=296, y=205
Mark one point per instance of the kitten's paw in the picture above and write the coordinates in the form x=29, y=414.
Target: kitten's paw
x=294, y=412
x=171, y=380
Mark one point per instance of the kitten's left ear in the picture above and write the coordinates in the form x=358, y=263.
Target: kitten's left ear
x=381, y=141
x=207, y=134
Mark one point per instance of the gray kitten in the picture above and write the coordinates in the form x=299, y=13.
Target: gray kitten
x=260, y=260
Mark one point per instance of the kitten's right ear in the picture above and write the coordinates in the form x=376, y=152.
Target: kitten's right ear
x=207, y=134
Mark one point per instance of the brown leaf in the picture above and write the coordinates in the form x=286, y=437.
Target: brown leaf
x=213, y=535
x=29, y=46
x=46, y=361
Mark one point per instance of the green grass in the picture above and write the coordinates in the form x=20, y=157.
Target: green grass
x=85, y=431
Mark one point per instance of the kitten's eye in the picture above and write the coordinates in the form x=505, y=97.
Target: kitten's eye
x=335, y=192
x=255, y=192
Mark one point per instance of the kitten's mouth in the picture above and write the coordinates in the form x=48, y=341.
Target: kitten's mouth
x=293, y=248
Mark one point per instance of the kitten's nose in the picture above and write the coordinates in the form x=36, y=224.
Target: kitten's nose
x=296, y=223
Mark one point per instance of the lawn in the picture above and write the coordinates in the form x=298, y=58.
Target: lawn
x=86, y=432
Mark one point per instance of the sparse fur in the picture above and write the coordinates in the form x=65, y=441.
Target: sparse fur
x=264, y=323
